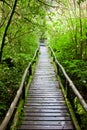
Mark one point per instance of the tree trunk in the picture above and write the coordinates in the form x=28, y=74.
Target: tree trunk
x=81, y=42
x=6, y=29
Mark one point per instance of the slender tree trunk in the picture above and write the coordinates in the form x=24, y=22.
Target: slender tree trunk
x=6, y=29
x=86, y=37
x=81, y=42
x=76, y=42
x=75, y=33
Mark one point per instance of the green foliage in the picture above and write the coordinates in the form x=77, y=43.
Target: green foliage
x=10, y=76
x=81, y=113
x=70, y=47
x=76, y=69
x=8, y=86
x=79, y=1
x=21, y=41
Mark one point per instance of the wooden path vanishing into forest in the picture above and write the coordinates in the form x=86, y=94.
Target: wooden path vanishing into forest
x=45, y=107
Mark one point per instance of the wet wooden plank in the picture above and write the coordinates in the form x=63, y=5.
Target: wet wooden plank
x=44, y=94
x=41, y=90
x=44, y=104
x=46, y=127
x=45, y=87
x=46, y=110
x=46, y=114
x=49, y=99
x=39, y=118
x=55, y=98
x=47, y=107
x=58, y=123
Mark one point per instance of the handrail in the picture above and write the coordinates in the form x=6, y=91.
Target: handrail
x=71, y=84
x=17, y=97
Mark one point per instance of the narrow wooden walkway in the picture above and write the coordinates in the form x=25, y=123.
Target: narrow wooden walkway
x=45, y=107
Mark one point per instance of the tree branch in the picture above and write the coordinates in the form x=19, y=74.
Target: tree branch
x=6, y=29
x=47, y=4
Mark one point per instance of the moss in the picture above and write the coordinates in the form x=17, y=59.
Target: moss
x=74, y=119
x=18, y=116
x=20, y=109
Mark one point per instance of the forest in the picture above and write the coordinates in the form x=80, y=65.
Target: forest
x=63, y=23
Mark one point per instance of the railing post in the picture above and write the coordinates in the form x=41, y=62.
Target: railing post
x=51, y=53
x=23, y=91
x=30, y=70
x=37, y=54
x=53, y=58
x=57, y=66
x=67, y=88
x=27, y=78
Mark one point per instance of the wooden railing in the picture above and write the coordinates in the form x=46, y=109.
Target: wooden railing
x=20, y=92
x=68, y=81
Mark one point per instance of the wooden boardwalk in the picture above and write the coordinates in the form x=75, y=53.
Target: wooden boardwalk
x=45, y=107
